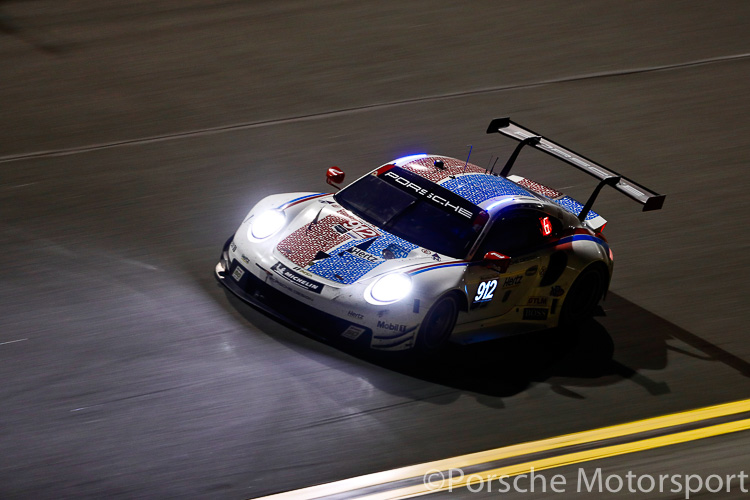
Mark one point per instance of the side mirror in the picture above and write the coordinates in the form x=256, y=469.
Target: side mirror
x=335, y=176
x=497, y=261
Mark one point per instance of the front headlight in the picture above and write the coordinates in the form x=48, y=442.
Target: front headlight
x=267, y=223
x=389, y=288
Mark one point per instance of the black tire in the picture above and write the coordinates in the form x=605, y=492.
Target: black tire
x=584, y=295
x=437, y=326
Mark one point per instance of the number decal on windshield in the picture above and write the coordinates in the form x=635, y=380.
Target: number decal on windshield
x=486, y=291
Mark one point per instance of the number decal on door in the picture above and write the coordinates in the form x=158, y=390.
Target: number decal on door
x=486, y=291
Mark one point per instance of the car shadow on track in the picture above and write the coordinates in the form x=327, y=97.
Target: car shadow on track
x=504, y=367
x=607, y=350
x=615, y=348
x=9, y=26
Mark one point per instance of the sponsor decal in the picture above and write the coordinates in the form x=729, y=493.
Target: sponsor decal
x=292, y=290
x=233, y=246
x=297, y=278
x=424, y=250
x=537, y=301
x=631, y=189
x=303, y=271
x=542, y=270
x=559, y=152
x=485, y=291
x=512, y=281
x=535, y=313
x=353, y=332
x=237, y=274
x=358, y=252
x=394, y=178
x=556, y=291
x=436, y=257
x=355, y=315
x=245, y=259
x=532, y=270
x=394, y=251
x=393, y=327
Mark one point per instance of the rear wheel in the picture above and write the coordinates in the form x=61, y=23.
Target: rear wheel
x=584, y=295
x=437, y=326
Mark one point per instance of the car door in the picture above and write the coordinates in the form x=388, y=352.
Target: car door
x=521, y=234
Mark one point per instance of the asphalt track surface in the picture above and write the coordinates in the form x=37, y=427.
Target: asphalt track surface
x=136, y=136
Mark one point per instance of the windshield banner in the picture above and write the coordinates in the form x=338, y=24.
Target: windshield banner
x=440, y=196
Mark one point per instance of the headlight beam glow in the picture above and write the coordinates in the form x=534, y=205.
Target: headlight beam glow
x=388, y=289
x=266, y=224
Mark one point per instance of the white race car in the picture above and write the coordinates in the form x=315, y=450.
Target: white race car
x=428, y=247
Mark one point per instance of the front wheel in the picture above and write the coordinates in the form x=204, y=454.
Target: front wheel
x=584, y=295
x=437, y=326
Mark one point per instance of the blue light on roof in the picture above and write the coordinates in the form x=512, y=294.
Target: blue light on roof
x=406, y=159
x=495, y=204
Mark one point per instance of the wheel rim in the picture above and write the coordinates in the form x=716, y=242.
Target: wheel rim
x=440, y=323
x=585, y=295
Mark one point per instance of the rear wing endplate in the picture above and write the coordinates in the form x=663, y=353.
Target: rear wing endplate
x=649, y=199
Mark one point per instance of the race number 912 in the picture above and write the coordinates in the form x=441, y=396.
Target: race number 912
x=486, y=291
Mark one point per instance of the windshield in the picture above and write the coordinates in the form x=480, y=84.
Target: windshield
x=416, y=210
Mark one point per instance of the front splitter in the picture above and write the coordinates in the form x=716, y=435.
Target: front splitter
x=285, y=309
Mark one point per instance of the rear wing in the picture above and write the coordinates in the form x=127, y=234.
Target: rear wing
x=649, y=199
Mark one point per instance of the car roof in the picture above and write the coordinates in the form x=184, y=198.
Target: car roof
x=490, y=192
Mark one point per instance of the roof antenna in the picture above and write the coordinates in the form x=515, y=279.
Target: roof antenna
x=493, y=165
x=467, y=158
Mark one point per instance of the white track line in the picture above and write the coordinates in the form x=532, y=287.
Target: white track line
x=12, y=341
x=357, y=109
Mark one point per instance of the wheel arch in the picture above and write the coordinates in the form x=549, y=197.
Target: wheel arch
x=605, y=270
x=461, y=297
x=426, y=341
x=579, y=304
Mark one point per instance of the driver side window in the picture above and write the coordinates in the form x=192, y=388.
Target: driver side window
x=519, y=232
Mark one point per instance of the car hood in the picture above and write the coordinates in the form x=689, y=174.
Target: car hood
x=329, y=241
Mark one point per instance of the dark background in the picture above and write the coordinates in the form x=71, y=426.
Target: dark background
x=136, y=135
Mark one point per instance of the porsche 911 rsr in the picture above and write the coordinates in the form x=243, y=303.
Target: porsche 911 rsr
x=427, y=247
